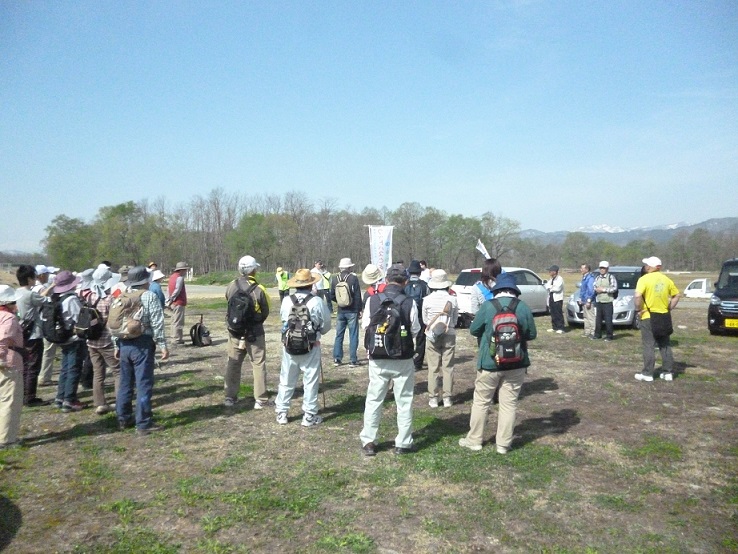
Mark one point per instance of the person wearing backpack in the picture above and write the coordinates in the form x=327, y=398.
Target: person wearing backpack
x=417, y=289
x=391, y=323
x=373, y=277
x=346, y=293
x=305, y=318
x=499, y=364
x=248, y=307
x=100, y=349
x=45, y=285
x=29, y=312
x=136, y=354
x=606, y=288
x=11, y=368
x=72, y=352
x=440, y=312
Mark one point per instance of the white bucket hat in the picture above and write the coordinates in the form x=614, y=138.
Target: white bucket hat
x=8, y=295
x=371, y=274
x=345, y=263
x=439, y=280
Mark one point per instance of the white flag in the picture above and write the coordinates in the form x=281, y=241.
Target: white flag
x=380, y=245
x=482, y=249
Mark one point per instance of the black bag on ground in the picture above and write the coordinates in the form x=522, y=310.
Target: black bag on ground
x=53, y=326
x=241, y=316
x=661, y=325
x=200, y=334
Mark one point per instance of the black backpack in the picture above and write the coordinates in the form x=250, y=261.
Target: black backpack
x=388, y=335
x=90, y=324
x=241, y=316
x=507, y=345
x=200, y=335
x=53, y=326
x=417, y=290
x=299, y=334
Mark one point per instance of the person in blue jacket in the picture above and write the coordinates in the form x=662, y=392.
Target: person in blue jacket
x=587, y=299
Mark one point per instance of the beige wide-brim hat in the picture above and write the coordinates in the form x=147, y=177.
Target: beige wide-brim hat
x=345, y=263
x=371, y=274
x=439, y=280
x=181, y=265
x=303, y=278
x=156, y=275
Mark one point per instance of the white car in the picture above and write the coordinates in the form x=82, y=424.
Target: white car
x=699, y=288
x=533, y=293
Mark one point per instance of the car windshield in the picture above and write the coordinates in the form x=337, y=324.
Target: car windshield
x=468, y=278
x=728, y=277
x=626, y=279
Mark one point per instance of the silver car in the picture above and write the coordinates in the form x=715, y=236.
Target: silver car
x=533, y=293
x=624, y=312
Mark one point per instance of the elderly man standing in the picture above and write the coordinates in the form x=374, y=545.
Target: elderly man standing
x=252, y=342
x=655, y=297
x=605, y=288
x=178, y=300
x=136, y=356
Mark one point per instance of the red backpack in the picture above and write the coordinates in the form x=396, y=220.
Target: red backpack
x=507, y=338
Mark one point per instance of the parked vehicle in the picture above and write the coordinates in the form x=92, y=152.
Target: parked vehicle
x=624, y=312
x=533, y=293
x=722, y=313
x=699, y=288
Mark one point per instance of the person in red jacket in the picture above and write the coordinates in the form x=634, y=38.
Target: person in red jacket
x=177, y=300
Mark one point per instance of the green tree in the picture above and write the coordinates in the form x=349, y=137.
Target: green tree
x=70, y=243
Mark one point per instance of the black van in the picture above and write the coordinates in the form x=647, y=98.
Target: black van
x=722, y=314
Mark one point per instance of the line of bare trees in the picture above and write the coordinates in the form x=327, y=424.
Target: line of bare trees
x=213, y=232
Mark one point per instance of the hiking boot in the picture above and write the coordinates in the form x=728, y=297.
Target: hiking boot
x=282, y=418
x=123, y=425
x=353, y=365
x=260, y=405
x=466, y=443
x=433, y=402
x=402, y=450
x=229, y=402
x=102, y=410
x=447, y=402
x=641, y=377
x=142, y=432
x=369, y=449
x=667, y=376
x=336, y=363
x=310, y=420
x=75, y=406
x=35, y=402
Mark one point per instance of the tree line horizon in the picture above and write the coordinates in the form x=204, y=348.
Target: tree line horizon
x=212, y=232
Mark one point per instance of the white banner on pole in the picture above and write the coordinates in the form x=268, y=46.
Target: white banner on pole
x=483, y=249
x=380, y=245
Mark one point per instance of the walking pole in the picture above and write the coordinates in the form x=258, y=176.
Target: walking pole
x=322, y=381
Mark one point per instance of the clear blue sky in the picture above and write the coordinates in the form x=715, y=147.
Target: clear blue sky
x=555, y=114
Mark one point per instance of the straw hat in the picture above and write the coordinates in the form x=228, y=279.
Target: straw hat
x=303, y=278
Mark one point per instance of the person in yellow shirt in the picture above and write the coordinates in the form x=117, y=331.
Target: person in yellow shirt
x=281, y=277
x=655, y=295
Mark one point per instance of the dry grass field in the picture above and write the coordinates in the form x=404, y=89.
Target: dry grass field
x=600, y=462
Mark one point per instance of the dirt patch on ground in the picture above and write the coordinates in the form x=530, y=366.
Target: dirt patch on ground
x=600, y=461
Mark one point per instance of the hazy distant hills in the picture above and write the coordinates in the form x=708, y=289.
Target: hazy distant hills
x=621, y=237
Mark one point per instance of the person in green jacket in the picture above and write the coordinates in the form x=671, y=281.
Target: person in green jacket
x=281, y=277
x=490, y=375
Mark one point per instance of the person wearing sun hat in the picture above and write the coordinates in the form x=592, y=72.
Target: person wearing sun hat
x=177, y=300
x=605, y=287
x=281, y=276
x=73, y=353
x=155, y=286
x=309, y=363
x=373, y=277
x=11, y=368
x=347, y=316
x=137, y=358
x=490, y=376
x=441, y=350
x=253, y=344
x=47, y=361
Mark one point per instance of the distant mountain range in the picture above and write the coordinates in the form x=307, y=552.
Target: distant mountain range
x=621, y=237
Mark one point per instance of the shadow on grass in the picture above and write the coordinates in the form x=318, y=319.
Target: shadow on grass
x=352, y=404
x=538, y=386
x=10, y=522
x=558, y=423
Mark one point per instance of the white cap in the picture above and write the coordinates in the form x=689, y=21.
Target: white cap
x=604, y=263
x=653, y=261
x=247, y=264
x=41, y=269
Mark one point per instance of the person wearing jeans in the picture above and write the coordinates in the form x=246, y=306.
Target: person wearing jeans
x=136, y=357
x=347, y=316
x=72, y=353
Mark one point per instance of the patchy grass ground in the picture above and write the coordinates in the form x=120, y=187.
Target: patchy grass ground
x=601, y=462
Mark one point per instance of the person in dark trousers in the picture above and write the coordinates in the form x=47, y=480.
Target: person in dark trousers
x=605, y=287
x=555, y=288
x=417, y=289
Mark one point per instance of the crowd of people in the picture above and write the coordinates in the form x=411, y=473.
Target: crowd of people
x=408, y=316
